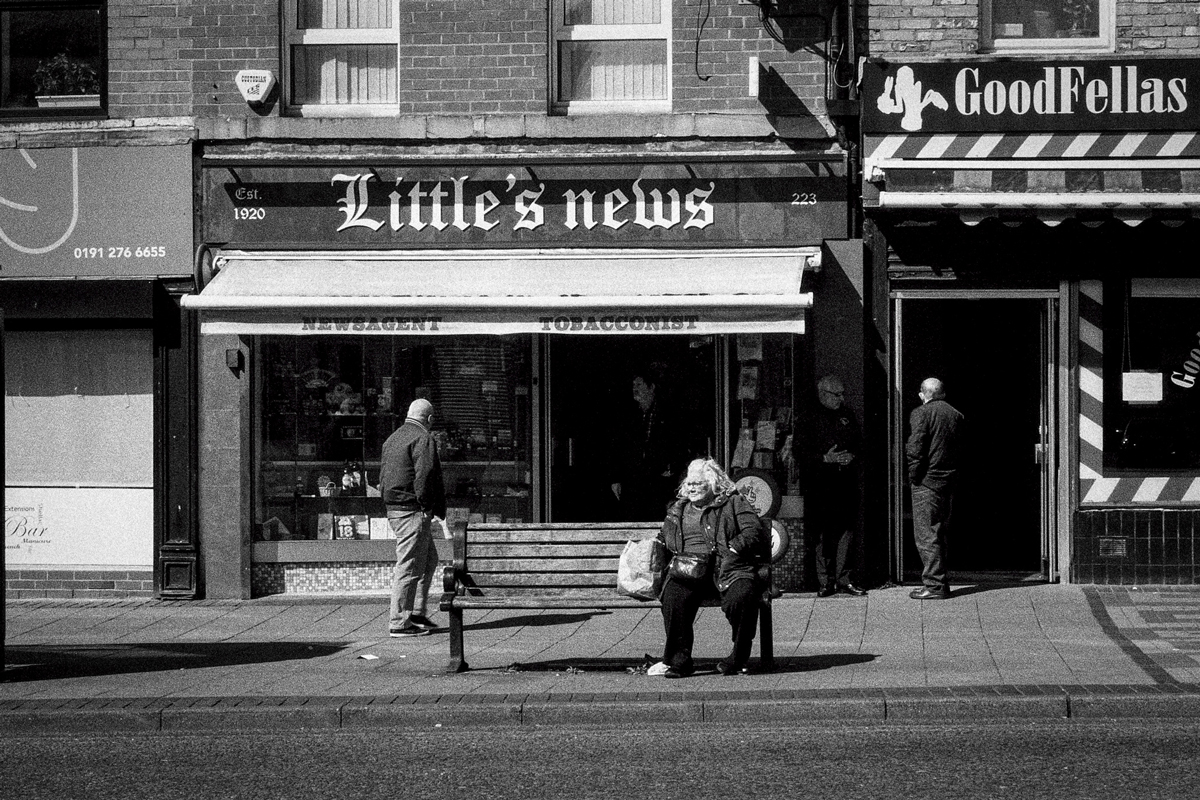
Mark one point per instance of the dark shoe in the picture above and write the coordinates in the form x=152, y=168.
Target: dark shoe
x=727, y=667
x=423, y=622
x=408, y=631
x=926, y=593
x=827, y=591
x=850, y=588
x=672, y=673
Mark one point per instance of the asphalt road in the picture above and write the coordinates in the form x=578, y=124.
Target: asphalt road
x=1045, y=760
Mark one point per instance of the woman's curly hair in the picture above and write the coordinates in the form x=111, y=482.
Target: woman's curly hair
x=720, y=482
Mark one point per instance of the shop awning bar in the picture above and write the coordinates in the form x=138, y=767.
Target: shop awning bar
x=502, y=292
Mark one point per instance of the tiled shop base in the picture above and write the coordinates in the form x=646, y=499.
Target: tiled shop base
x=77, y=584
x=326, y=578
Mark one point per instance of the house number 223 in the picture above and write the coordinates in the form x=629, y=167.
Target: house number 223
x=804, y=198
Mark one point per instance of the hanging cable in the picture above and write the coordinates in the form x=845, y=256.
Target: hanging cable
x=700, y=23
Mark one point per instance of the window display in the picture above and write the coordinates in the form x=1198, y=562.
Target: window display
x=328, y=403
x=1156, y=423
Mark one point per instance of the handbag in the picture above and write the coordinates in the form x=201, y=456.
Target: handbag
x=692, y=567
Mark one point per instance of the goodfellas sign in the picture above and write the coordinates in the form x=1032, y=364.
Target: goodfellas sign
x=951, y=97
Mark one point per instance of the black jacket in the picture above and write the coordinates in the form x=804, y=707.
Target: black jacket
x=934, y=445
x=410, y=475
x=735, y=525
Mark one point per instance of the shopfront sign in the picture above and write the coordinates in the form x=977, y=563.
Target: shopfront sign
x=576, y=205
x=78, y=527
x=461, y=322
x=983, y=96
x=95, y=212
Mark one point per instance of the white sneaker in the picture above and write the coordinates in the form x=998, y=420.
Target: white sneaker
x=658, y=670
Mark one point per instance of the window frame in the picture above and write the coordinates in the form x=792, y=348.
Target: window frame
x=1104, y=42
x=99, y=111
x=559, y=33
x=294, y=35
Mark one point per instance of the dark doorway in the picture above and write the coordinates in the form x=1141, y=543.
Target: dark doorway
x=989, y=355
x=591, y=411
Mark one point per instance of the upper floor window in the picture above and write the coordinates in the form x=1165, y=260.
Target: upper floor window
x=342, y=55
x=52, y=58
x=611, y=55
x=1042, y=25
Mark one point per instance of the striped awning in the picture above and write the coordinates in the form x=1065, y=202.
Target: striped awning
x=1052, y=176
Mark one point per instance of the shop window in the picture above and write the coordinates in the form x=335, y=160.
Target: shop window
x=1061, y=25
x=52, y=58
x=1152, y=386
x=327, y=404
x=611, y=55
x=342, y=54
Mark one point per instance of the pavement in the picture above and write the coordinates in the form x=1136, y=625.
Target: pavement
x=991, y=652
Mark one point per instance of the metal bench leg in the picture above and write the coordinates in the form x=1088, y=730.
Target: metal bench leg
x=457, y=663
x=766, y=637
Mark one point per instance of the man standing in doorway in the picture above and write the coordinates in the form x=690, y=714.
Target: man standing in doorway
x=933, y=456
x=410, y=481
x=833, y=494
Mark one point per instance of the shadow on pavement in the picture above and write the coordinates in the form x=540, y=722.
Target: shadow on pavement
x=532, y=620
x=50, y=663
x=638, y=666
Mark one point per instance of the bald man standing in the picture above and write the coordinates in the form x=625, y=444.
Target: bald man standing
x=932, y=453
x=410, y=481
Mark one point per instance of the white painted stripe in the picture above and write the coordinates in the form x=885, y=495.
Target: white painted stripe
x=1192, y=495
x=936, y=146
x=1091, y=384
x=887, y=147
x=1101, y=490
x=1079, y=146
x=1091, y=432
x=1176, y=144
x=1149, y=490
x=1087, y=473
x=1090, y=335
x=1128, y=144
x=986, y=144
x=1093, y=289
x=1032, y=146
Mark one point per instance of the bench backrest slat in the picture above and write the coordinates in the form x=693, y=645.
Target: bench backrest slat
x=556, y=559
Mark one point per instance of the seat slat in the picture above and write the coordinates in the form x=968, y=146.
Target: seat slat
x=534, y=551
x=561, y=536
x=566, y=580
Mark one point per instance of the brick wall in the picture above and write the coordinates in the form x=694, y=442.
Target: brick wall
x=77, y=584
x=148, y=71
x=491, y=57
x=951, y=27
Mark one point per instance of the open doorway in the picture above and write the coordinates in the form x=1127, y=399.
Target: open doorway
x=593, y=413
x=991, y=354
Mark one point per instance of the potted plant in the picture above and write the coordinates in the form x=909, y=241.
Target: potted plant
x=66, y=82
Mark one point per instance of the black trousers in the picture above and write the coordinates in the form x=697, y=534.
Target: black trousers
x=681, y=603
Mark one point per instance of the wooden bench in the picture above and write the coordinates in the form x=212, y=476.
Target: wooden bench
x=539, y=565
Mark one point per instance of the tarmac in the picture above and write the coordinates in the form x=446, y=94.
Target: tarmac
x=991, y=652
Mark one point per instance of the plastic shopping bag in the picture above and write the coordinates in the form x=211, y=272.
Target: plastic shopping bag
x=640, y=570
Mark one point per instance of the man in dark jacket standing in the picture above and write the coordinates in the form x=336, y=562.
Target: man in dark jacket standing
x=410, y=481
x=933, y=459
x=832, y=495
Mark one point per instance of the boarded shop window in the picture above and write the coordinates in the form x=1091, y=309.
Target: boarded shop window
x=1058, y=25
x=79, y=408
x=52, y=60
x=341, y=54
x=611, y=55
x=1152, y=381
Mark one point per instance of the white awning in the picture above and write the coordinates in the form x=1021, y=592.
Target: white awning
x=504, y=292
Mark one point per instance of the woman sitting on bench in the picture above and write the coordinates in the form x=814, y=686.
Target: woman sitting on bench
x=712, y=524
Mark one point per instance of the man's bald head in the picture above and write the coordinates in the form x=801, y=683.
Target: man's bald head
x=932, y=389
x=420, y=410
